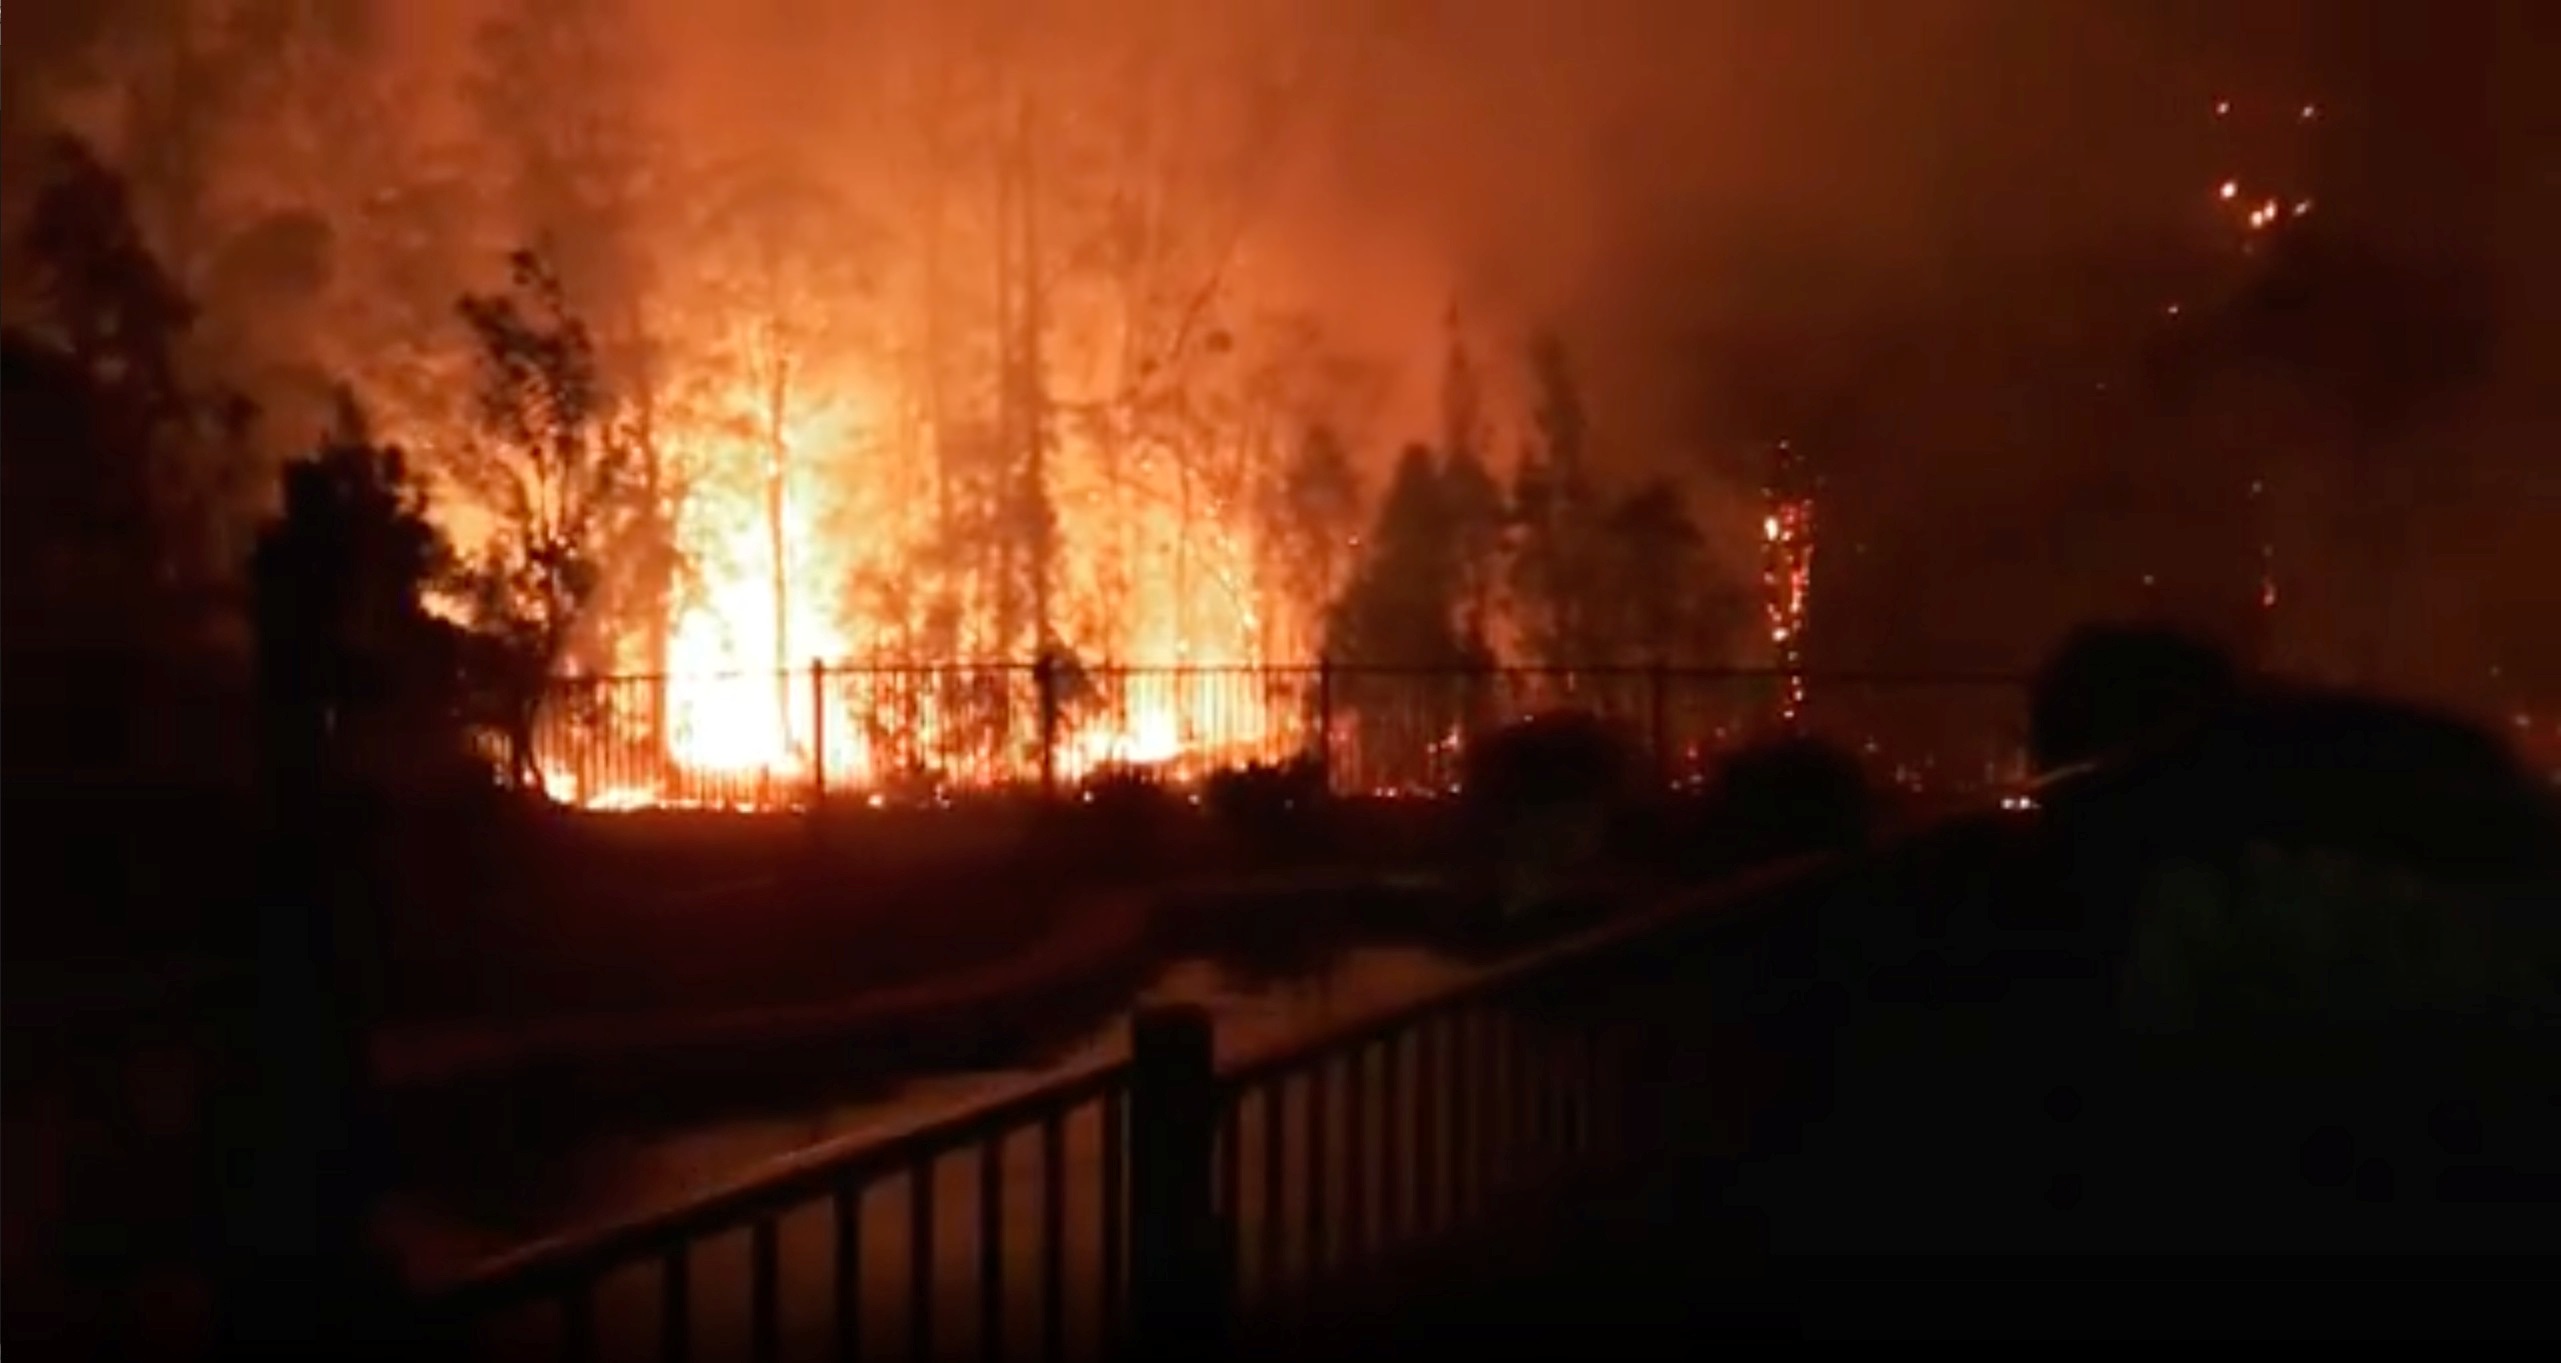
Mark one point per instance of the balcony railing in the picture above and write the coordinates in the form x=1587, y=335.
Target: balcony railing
x=1154, y=1198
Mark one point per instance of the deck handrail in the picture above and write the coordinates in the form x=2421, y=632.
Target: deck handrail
x=566, y=1267
x=1739, y=893
x=775, y=1186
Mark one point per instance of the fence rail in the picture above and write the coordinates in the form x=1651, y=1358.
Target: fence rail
x=920, y=734
x=874, y=1202
x=1195, y=1193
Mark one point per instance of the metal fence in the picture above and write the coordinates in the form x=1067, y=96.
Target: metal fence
x=1147, y=1205
x=921, y=734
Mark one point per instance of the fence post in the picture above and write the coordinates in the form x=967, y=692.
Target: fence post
x=1658, y=721
x=1045, y=680
x=662, y=738
x=1179, y=1283
x=817, y=733
x=1325, y=719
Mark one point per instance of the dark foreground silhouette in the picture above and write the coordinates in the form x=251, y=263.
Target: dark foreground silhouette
x=2254, y=1026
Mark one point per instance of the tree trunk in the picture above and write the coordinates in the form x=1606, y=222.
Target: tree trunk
x=1031, y=397
x=777, y=495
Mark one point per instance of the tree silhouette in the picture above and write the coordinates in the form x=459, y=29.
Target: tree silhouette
x=1403, y=604
x=2375, y=346
x=1406, y=609
x=577, y=515
x=348, y=646
x=144, y=463
x=1312, y=511
x=358, y=684
x=1655, y=600
x=1556, y=589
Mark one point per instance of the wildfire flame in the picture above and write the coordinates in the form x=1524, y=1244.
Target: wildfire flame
x=764, y=675
x=1787, y=574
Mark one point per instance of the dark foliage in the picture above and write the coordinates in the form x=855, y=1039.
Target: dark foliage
x=1125, y=812
x=581, y=524
x=1559, y=759
x=346, y=643
x=1274, y=808
x=2110, y=685
x=2380, y=779
x=1788, y=797
x=1540, y=801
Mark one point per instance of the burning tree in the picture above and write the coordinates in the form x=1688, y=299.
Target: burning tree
x=578, y=522
x=777, y=270
x=1557, y=517
x=1312, y=511
x=1787, y=572
x=1469, y=502
x=1656, y=599
x=557, y=90
x=1406, y=609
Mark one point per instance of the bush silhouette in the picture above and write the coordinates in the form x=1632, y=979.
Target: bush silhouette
x=2339, y=919
x=1270, y=807
x=2109, y=685
x=1125, y=811
x=1556, y=760
x=1789, y=796
x=1542, y=797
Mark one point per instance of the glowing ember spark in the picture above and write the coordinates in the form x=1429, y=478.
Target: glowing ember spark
x=1787, y=532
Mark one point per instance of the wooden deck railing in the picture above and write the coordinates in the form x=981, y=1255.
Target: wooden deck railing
x=1144, y=1203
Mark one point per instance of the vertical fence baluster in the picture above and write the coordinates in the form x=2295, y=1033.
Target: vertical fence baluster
x=578, y=1324
x=1312, y=1254
x=817, y=733
x=1565, y=1052
x=1503, y=1093
x=675, y=1307
x=1489, y=1107
x=1053, y=1236
x=1529, y=1097
x=1428, y=1037
x=1461, y=1027
x=1115, y=1209
x=1231, y=1173
x=1593, y=1088
x=1275, y=1184
x=849, y=1272
x=1178, y=1277
x=991, y=1248
x=764, y=1285
x=1392, y=1144
x=1325, y=724
x=1510, y=1129
x=1539, y=1057
x=1356, y=1155
x=920, y=1261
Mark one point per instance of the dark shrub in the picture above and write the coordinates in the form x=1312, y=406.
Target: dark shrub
x=1126, y=811
x=1557, y=760
x=2110, y=685
x=1273, y=808
x=1540, y=799
x=1786, y=797
x=2300, y=772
